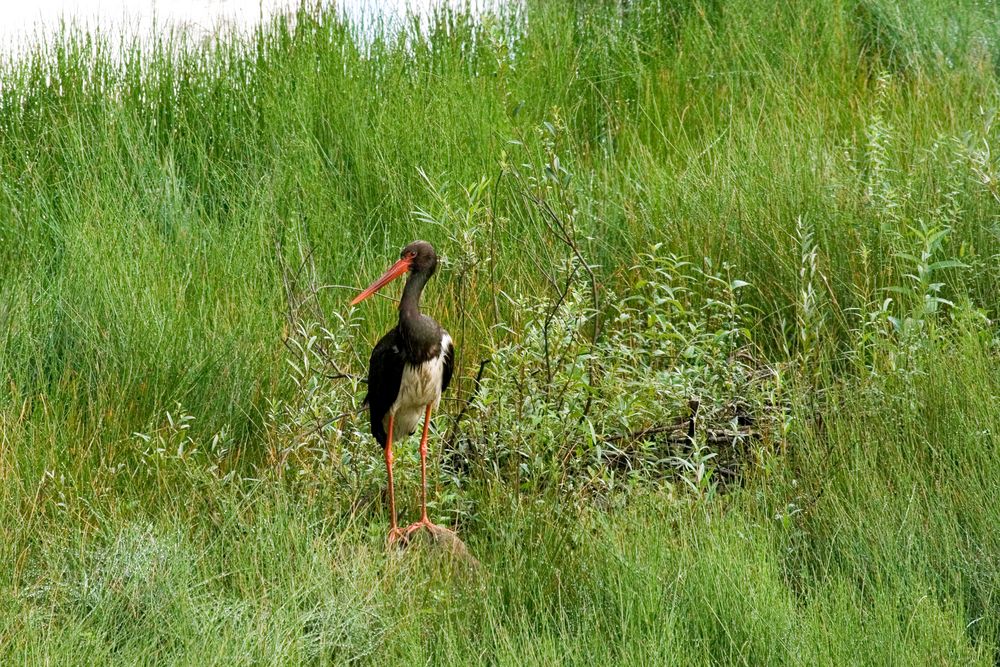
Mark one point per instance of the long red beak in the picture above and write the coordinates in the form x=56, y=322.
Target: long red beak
x=395, y=271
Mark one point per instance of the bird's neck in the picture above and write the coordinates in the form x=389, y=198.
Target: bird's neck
x=420, y=334
x=409, y=305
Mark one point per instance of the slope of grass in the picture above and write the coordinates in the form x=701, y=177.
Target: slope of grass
x=177, y=486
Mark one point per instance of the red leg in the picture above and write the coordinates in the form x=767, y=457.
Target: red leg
x=424, y=521
x=394, y=533
x=423, y=466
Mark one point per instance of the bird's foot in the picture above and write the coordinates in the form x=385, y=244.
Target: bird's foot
x=425, y=524
x=396, y=535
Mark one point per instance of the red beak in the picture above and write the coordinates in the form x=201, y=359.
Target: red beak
x=395, y=271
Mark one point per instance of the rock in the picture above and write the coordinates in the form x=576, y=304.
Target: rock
x=443, y=541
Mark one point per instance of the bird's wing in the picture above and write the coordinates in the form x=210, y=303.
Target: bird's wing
x=449, y=362
x=385, y=374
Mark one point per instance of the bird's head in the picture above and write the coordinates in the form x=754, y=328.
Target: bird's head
x=418, y=258
x=423, y=259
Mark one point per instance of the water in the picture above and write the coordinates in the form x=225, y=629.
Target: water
x=24, y=22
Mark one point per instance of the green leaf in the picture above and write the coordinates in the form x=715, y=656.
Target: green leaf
x=948, y=264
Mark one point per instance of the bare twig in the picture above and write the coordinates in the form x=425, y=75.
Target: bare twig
x=566, y=237
x=322, y=425
x=694, y=404
x=681, y=436
x=560, y=229
x=302, y=304
x=468, y=401
x=676, y=431
x=548, y=322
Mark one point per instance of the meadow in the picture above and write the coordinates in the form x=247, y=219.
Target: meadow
x=783, y=220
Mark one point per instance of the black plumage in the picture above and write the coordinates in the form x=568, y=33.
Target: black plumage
x=385, y=373
x=409, y=369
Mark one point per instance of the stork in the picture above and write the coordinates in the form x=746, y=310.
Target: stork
x=409, y=369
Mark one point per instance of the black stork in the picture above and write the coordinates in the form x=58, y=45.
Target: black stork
x=409, y=369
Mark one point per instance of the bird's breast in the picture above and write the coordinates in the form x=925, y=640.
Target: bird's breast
x=419, y=387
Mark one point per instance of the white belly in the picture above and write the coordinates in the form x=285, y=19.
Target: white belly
x=420, y=387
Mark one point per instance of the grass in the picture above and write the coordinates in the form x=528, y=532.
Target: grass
x=811, y=189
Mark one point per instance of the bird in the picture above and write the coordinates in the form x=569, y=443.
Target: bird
x=410, y=367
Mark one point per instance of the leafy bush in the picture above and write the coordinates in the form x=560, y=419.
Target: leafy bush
x=599, y=416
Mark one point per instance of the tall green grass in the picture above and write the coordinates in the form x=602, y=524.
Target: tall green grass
x=839, y=158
